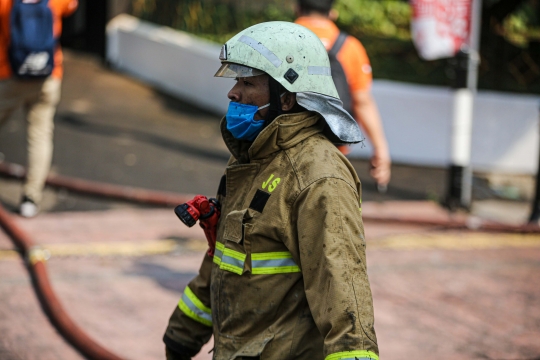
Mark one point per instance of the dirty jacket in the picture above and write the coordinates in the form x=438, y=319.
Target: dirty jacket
x=288, y=279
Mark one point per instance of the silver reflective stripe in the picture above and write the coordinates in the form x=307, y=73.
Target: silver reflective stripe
x=218, y=253
x=195, y=309
x=272, y=263
x=319, y=70
x=232, y=261
x=263, y=50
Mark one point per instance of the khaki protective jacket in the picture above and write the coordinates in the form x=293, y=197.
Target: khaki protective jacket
x=288, y=279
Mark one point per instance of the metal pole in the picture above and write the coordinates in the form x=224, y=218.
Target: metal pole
x=535, y=212
x=460, y=181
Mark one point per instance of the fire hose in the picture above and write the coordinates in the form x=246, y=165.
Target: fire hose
x=200, y=208
x=161, y=198
x=77, y=185
x=36, y=258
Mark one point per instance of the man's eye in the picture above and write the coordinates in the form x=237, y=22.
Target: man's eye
x=247, y=83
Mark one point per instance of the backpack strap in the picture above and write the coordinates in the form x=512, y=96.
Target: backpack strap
x=338, y=43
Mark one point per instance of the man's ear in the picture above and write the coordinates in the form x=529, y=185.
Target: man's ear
x=288, y=101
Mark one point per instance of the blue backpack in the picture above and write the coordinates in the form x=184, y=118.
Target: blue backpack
x=32, y=44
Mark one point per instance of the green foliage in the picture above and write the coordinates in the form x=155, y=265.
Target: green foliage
x=383, y=26
x=385, y=18
x=215, y=20
x=523, y=25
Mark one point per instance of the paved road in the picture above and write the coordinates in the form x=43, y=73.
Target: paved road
x=119, y=269
x=437, y=294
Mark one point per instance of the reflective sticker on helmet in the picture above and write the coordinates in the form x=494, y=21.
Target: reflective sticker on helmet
x=319, y=70
x=223, y=52
x=261, y=49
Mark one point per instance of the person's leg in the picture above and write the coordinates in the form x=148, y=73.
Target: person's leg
x=10, y=99
x=40, y=139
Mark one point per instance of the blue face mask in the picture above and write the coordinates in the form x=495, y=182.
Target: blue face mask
x=240, y=121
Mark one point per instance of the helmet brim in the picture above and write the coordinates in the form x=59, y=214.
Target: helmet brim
x=230, y=70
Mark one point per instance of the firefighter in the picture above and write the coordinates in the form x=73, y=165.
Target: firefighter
x=287, y=279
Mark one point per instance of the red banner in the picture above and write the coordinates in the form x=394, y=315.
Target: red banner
x=440, y=27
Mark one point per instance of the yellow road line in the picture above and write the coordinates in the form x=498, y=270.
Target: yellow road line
x=122, y=248
x=8, y=254
x=449, y=241
x=456, y=241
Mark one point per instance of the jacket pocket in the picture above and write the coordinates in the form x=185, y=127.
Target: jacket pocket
x=235, y=348
x=231, y=254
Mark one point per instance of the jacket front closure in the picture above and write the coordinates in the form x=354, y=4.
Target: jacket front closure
x=254, y=271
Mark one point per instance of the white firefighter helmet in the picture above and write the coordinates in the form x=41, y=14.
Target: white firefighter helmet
x=295, y=57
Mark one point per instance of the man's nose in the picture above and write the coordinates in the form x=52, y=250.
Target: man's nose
x=234, y=94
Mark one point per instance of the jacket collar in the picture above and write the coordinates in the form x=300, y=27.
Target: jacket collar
x=283, y=133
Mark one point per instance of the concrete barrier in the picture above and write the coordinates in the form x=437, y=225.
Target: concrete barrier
x=176, y=62
x=417, y=119
x=418, y=123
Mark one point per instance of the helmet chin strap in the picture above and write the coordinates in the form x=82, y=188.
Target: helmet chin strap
x=276, y=91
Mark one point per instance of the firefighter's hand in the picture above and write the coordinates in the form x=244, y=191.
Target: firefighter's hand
x=380, y=168
x=171, y=355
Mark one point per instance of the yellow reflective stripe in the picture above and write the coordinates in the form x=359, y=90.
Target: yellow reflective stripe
x=190, y=313
x=234, y=254
x=262, y=263
x=233, y=261
x=275, y=270
x=198, y=303
x=271, y=255
x=218, y=253
x=273, y=263
x=353, y=355
x=194, y=308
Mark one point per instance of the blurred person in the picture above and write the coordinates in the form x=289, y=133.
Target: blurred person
x=32, y=80
x=354, y=90
x=287, y=277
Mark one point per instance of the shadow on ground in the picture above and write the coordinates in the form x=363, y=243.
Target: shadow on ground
x=78, y=122
x=163, y=276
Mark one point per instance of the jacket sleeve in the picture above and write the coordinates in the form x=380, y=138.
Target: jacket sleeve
x=333, y=262
x=190, y=325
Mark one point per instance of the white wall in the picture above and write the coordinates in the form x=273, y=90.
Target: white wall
x=417, y=119
x=174, y=61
